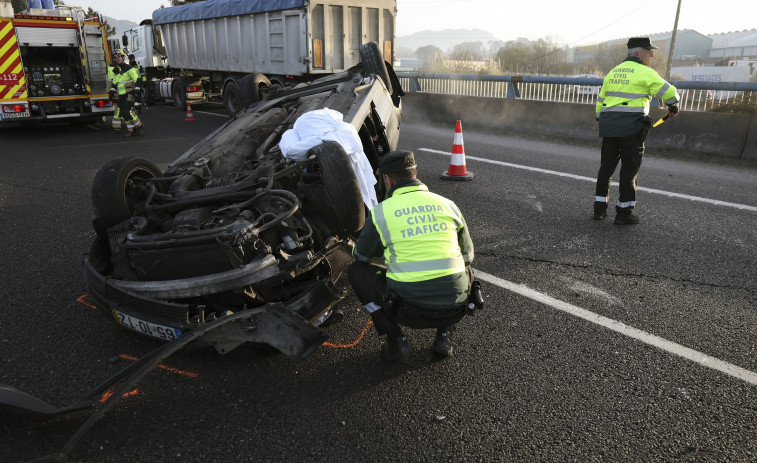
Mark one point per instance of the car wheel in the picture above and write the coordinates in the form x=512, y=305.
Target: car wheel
x=374, y=63
x=179, y=96
x=113, y=193
x=340, y=184
x=232, y=99
x=250, y=86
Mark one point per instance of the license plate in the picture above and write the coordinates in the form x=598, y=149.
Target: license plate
x=194, y=95
x=14, y=115
x=165, y=333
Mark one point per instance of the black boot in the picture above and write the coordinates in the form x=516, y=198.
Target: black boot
x=625, y=216
x=443, y=344
x=395, y=348
x=600, y=210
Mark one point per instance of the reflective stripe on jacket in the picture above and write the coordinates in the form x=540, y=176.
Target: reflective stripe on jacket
x=629, y=88
x=419, y=231
x=124, y=82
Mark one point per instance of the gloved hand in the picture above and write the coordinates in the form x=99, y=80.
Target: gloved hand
x=112, y=94
x=138, y=107
x=672, y=110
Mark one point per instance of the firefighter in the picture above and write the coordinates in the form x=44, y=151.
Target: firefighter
x=141, y=84
x=428, y=252
x=623, y=113
x=124, y=80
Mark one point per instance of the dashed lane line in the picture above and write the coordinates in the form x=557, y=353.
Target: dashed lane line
x=590, y=179
x=620, y=327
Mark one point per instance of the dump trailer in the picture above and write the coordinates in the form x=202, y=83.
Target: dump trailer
x=227, y=49
x=53, y=65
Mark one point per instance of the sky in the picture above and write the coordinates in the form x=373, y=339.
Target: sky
x=568, y=22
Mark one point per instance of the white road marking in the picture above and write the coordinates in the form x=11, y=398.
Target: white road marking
x=593, y=179
x=211, y=114
x=620, y=327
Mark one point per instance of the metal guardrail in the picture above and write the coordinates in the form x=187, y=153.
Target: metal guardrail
x=695, y=95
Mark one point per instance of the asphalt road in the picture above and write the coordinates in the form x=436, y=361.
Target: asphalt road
x=598, y=342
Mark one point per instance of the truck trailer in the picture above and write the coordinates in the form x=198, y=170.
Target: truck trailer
x=53, y=65
x=228, y=50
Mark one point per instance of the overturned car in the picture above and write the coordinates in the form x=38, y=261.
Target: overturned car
x=235, y=225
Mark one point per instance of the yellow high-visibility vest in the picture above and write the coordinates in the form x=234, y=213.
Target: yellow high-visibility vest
x=629, y=88
x=419, y=232
x=125, y=81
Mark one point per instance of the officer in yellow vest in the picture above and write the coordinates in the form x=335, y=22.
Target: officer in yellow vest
x=623, y=115
x=140, y=91
x=428, y=252
x=124, y=80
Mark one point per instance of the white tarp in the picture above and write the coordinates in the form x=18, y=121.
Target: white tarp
x=315, y=127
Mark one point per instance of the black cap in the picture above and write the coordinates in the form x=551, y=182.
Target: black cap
x=131, y=56
x=396, y=162
x=641, y=42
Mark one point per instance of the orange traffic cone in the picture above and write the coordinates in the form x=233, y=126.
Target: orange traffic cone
x=457, y=169
x=190, y=116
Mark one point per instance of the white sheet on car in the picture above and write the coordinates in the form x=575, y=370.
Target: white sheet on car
x=315, y=127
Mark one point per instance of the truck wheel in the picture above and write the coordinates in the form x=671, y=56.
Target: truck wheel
x=340, y=184
x=232, y=100
x=250, y=86
x=179, y=96
x=373, y=62
x=113, y=192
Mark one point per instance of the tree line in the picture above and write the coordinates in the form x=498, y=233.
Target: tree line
x=543, y=56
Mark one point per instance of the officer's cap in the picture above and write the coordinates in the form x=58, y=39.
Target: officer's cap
x=396, y=162
x=131, y=56
x=641, y=42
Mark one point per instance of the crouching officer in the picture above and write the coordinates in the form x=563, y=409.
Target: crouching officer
x=123, y=79
x=428, y=252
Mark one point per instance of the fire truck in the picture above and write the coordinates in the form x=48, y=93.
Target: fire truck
x=53, y=66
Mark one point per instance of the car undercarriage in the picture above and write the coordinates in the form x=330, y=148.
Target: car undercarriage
x=234, y=223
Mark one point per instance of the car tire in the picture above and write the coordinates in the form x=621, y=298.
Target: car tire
x=111, y=195
x=179, y=95
x=373, y=62
x=341, y=185
x=232, y=98
x=250, y=86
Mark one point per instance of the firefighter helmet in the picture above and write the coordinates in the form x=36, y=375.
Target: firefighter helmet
x=118, y=53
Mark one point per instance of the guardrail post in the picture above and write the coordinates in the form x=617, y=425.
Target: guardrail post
x=415, y=85
x=512, y=90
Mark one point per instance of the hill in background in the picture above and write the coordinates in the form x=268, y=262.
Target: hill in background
x=446, y=39
x=120, y=26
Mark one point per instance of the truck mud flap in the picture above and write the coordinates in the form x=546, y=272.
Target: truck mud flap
x=273, y=323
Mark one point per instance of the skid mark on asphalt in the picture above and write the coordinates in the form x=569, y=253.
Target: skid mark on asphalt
x=619, y=327
x=587, y=289
x=593, y=179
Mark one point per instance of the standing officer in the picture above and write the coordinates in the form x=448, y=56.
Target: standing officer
x=123, y=79
x=428, y=251
x=623, y=115
x=140, y=85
